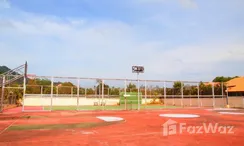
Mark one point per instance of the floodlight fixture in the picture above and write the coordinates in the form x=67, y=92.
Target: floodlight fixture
x=137, y=69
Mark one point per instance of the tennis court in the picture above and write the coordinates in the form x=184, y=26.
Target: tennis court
x=145, y=127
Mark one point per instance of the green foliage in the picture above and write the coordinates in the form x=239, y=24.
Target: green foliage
x=90, y=91
x=4, y=69
x=11, y=93
x=223, y=79
x=177, y=87
x=131, y=88
x=114, y=91
x=205, y=89
x=105, y=86
x=177, y=84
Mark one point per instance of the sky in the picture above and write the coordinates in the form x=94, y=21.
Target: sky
x=173, y=39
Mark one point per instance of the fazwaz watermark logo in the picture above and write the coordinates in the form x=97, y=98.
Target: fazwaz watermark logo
x=172, y=127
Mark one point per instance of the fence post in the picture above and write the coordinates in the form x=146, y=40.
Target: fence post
x=138, y=92
x=242, y=101
x=227, y=97
x=41, y=90
x=125, y=94
x=24, y=90
x=51, y=93
x=198, y=94
x=78, y=93
x=103, y=94
x=145, y=94
x=213, y=94
x=57, y=91
x=108, y=92
x=222, y=90
x=182, y=94
x=165, y=94
x=72, y=88
x=2, y=96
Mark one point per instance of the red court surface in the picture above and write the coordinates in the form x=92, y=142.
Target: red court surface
x=139, y=128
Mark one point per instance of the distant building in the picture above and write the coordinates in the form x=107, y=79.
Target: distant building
x=235, y=87
x=212, y=83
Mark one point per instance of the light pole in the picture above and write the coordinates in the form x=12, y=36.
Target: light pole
x=138, y=70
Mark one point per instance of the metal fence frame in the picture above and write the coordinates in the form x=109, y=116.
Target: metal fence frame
x=145, y=82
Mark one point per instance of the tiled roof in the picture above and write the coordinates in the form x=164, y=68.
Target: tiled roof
x=212, y=83
x=236, y=85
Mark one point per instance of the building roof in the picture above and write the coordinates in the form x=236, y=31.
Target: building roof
x=236, y=85
x=212, y=83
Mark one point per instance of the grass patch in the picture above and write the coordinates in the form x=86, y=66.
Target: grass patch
x=33, y=117
x=59, y=126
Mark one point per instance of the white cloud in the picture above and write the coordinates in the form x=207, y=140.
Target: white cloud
x=4, y=4
x=188, y=3
x=79, y=47
x=183, y=3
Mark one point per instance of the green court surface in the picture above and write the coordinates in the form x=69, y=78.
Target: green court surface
x=58, y=126
x=108, y=107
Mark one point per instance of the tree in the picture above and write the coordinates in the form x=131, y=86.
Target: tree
x=223, y=79
x=177, y=87
x=205, y=89
x=3, y=69
x=114, y=91
x=131, y=88
x=105, y=86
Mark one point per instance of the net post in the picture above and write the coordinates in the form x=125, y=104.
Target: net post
x=51, y=93
x=78, y=93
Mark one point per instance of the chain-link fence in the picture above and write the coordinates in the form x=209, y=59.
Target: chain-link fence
x=46, y=93
x=70, y=93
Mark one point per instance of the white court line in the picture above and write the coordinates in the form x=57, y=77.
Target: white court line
x=224, y=109
x=110, y=119
x=231, y=113
x=179, y=115
x=11, y=124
